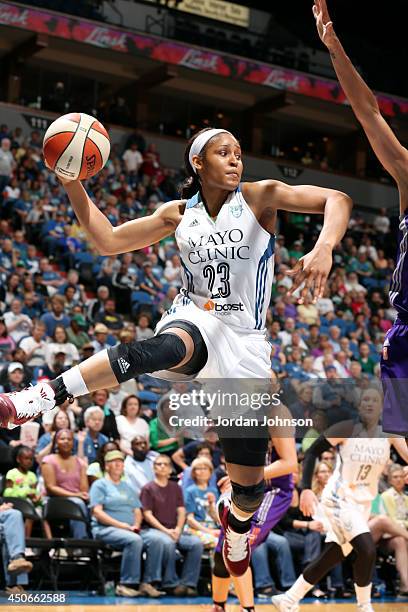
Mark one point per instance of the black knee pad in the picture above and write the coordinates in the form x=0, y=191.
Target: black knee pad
x=248, y=498
x=140, y=357
x=200, y=353
x=220, y=571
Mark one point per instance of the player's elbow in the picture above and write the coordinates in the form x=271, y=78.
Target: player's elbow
x=344, y=199
x=106, y=249
x=368, y=112
x=294, y=466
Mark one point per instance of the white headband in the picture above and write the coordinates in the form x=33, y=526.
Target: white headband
x=200, y=142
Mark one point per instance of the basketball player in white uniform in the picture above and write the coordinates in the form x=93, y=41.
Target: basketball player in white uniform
x=216, y=327
x=363, y=452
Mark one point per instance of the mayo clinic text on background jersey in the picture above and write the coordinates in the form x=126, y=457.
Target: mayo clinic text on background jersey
x=227, y=262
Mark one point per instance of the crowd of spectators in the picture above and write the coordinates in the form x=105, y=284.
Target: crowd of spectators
x=144, y=485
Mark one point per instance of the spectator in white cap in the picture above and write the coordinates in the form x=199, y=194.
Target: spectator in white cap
x=116, y=520
x=15, y=377
x=100, y=336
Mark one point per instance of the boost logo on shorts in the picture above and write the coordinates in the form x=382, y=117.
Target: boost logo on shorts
x=224, y=309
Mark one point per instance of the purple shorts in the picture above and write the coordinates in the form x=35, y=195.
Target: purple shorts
x=274, y=505
x=394, y=377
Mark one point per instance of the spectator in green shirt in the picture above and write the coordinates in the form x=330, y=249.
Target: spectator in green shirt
x=22, y=482
x=367, y=362
x=76, y=332
x=296, y=250
x=163, y=438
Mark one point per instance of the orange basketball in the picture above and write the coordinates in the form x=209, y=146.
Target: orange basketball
x=76, y=146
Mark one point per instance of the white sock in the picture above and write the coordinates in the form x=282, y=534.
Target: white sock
x=298, y=590
x=363, y=594
x=74, y=382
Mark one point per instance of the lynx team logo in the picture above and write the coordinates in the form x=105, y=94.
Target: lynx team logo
x=236, y=210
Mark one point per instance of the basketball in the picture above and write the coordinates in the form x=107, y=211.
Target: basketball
x=76, y=146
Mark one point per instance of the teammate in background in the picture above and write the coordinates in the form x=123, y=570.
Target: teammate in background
x=394, y=157
x=281, y=462
x=216, y=326
x=363, y=452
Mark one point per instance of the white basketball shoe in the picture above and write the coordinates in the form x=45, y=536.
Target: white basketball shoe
x=284, y=604
x=19, y=407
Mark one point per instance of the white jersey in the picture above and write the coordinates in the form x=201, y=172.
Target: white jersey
x=227, y=263
x=360, y=463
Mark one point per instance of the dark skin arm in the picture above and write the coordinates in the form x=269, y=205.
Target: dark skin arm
x=389, y=151
x=129, y=236
x=267, y=197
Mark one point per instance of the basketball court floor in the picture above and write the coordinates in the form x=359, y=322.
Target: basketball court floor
x=77, y=603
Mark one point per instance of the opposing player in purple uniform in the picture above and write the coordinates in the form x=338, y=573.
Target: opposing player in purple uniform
x=394, y=157
x=281, y=462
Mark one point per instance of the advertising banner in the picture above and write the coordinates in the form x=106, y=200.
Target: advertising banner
x=179, y=54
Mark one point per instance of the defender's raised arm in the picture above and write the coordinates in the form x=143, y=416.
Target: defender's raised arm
x=390, y=152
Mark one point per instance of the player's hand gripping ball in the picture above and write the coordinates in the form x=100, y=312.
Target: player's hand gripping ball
x=76, y=146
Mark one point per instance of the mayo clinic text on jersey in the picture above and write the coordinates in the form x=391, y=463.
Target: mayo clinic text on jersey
x=218, y=246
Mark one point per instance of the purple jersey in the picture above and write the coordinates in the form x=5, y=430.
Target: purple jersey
x=394, y=359
x=284, y=483
x=394, y=377
x=399, y=285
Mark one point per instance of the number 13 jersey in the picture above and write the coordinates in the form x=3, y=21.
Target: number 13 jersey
x=227, y=262
x=360, y=463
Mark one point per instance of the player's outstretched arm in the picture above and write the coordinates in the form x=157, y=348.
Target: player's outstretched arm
x=390, y=152
x=131, y=235
x=313, y=269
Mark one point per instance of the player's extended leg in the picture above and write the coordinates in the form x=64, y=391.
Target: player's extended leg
x=182, y=348
x=245, y=459
x=330, y=556
x=220, y=586
x=363, y=566
x=220, y=583
x=364, y=555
